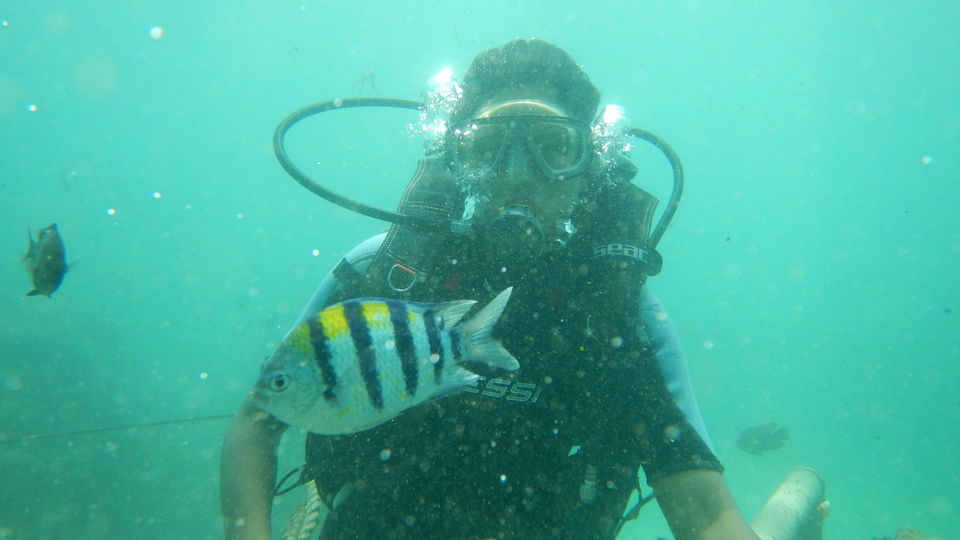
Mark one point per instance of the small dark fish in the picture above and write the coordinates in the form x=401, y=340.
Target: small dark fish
x=759, y=439
x=46, y=261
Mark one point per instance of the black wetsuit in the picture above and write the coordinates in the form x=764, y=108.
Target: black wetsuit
x=549, y=451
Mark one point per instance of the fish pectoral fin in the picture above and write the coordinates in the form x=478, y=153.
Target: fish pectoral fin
x=342, y=495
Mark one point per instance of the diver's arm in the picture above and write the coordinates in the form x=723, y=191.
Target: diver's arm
x=698, y=506
x=684, y=473
x=248, y=462
x=670, y=356
x=248, y=470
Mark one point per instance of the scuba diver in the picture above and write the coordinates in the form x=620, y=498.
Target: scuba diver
x=521, y=192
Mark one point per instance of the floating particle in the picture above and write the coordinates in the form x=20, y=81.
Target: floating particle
x=32, y=107
x=111, y=211
x=926, y=160
x=204, y=375
x=316, y=252
x=156, y=32
x=708, y=345
x=157, y=195
x=4, y=23
x=240, y=215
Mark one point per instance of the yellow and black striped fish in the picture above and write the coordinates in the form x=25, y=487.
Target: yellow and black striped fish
x=357, y=364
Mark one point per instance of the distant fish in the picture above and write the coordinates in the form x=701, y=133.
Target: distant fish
x=46, y=261
x=906, y=533
x=762, y=438
x=357, y=364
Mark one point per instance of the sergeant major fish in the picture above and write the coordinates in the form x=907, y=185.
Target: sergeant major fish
x=46, y=261
x=357, y=364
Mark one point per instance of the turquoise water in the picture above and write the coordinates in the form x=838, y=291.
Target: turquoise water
x=812, y=267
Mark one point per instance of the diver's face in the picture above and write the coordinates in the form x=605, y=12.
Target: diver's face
x=541, y=162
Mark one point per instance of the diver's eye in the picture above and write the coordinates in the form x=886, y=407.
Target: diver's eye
x=279, y=383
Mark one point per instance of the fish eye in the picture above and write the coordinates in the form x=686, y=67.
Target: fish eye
x=279, y=382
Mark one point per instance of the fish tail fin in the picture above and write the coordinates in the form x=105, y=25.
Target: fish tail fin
x=479, y=343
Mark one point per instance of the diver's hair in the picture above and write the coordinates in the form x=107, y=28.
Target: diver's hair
x=527, y=69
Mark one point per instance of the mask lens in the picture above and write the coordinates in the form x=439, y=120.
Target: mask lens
x=478, y=146
x=560, y=144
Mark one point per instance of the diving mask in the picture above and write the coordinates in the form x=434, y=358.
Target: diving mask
x=560, y=146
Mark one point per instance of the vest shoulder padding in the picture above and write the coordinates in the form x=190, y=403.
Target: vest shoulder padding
x=623, y=212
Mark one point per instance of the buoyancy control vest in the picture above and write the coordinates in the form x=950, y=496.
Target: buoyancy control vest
x=551, y=450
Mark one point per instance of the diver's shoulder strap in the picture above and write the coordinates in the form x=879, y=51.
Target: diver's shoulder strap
x=407, y=258
x=616, y=225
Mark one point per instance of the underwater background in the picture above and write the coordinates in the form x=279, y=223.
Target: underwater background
x=812, y=268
